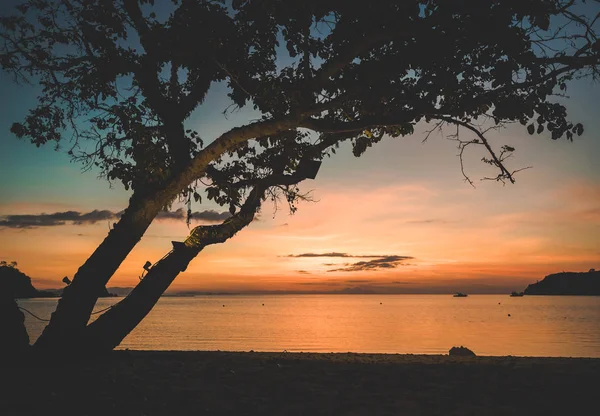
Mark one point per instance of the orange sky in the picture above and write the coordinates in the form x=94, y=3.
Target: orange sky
x=487, y=239
x=401, y=198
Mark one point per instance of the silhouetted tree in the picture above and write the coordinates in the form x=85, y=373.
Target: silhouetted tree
x=120, y=78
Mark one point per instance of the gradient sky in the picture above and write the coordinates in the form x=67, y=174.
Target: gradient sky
x=403, y=199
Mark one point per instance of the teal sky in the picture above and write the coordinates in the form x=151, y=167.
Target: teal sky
x=45, y=175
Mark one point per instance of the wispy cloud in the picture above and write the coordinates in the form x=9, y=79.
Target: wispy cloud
x=335, y=254
x=378, y=262
x=387, y=262
x=320, y=255
x=92, y=217
x=206, y=215
x=55, y=219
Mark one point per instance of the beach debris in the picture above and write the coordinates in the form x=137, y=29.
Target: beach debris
x=461, y=352
x=509, y=315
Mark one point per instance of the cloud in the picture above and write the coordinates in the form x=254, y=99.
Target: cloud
x=384, y=262
x=212, y=216
x=92, y=217
x=206, y=215
x=172, y=215
x=379, y=262
x=320, y=255
x=57, y=218
x=302, y=272
x=335, y=254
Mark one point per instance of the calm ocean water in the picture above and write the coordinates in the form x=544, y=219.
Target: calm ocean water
x=419, y=324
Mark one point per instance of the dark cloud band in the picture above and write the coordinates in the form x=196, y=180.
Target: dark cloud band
x=335, y=254
x=206, y=215
x=379, y=261
x=384, y=262
x=92, y=217
x=55, y=219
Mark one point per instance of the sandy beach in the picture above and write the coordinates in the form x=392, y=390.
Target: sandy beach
x=192, y=383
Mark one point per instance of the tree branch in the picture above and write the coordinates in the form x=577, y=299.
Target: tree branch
x=496, y=161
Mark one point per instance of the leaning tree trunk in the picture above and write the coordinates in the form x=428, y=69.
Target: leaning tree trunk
x=75, y=307
x=109, y=330
x=106, y=332
x=73, y=311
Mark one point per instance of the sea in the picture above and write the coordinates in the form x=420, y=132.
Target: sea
x=492, y=325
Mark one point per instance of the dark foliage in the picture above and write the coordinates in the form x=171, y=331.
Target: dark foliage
x=122, y=77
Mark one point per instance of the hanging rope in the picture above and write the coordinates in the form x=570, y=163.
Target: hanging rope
x=48, y=320
x=102, y=310
x=96, y=312
x=34, y=315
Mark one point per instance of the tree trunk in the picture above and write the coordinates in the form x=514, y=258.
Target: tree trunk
x=75, y=307
x=106, y=332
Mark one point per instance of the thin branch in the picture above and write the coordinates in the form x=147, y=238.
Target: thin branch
x=496, y=161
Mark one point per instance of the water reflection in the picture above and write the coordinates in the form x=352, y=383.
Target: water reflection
x=424, y=324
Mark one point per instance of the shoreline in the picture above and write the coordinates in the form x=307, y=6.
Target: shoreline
x=351, y=356
x=218, y=382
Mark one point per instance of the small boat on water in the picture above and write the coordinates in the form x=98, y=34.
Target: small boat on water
x=516, y=294
x=460, y=295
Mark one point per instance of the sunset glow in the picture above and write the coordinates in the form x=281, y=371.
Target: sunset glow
x=402, y=198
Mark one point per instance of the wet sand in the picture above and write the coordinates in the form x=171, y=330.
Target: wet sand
x=226, y=383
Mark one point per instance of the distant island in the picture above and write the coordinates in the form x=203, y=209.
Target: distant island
x=18, y=285
x=567, y=283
